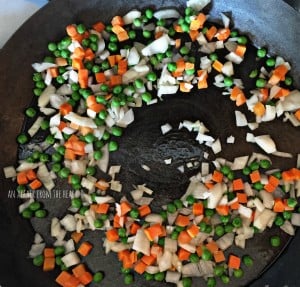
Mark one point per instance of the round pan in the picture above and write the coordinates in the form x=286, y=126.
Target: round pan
x=272, y=24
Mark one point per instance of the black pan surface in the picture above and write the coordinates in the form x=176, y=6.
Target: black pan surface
x=268, y=23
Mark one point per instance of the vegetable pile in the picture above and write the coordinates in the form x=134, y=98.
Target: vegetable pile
x=87, y=91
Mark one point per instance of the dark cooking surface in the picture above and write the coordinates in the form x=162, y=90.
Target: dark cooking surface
x=29, y=45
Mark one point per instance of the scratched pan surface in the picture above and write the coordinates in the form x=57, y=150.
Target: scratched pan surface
x=268, y=23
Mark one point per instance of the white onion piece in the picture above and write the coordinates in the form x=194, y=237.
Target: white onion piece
x=191, y=270
x=44, y=176
x=266, y=143
x=295, y=220
x=225, y=20
x=40, y=67
x=170, y=244
x=234, y=58
x=36, y=249
x=291, y=102
x=35, y=126
x=133, y=57
x=215, y=196
x=126, y=120
x=197, y=5
x=263, y=219
x=104, y=199
x=44, y=98
x=225, y=241
x=166, y=14
x=267, y=198
x=165, y=128
x=159, y=45
x=240, y=119
x=79, y=120
x=172, y=277
x=165, y=261
x=130, y=16
x=70, y=259
x=68, y=222
x=9, y=172
x=288, y=228
x=57, y=100
x=154, y=218
x=152, y=269
x=141, y=243
x=69, y=246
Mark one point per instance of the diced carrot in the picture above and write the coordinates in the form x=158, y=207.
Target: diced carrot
x=177, y=28
x=69, y=154
x=177, y=43
x=282, y=93
x=83, y=75
x=22, y=178
x=122, y=254
x=117, y=20
x=240, y=100
x=30, y=174
x=65, y=108
x=278, y=74
x=209, y=184
x=291, y=174
x=265, y=94
x=240, y=50
x=212, y=246
x=140, y=267
x=153, y=231
x=278, y=205
x=211, y=32
x=198, y=22
x=117, y=29
x=123, y=36
x=54, y=72
x=72, y=282
x=235, y=205
x=77, y=64
x=217, y=176
x=71, y=30
x=100, y=78
x=217, y=65
x=85, y=248
x=134, y=228
x=182, y=220
x=202, y=82
x=61, y=62
x=269, y=187
x=235, y=92
x=198, y=208
x=98, y=107
x=148, y=259
x=255, y=176
x=78, y=53
x=115, y=80
x=125, y=207
x=49, y=252
x=117, y=221
x=144, y=210
x=237, y=184
x=86, y=278
x=89, y=54
x=222, y=209
x=62, y=278
x=35, y=184
x=183, y=86
x=193, y=230
x=62, y=125
x=102, y=184
x=112, y=235
x=122, y=66
x=76, y=236
x=99, y=27
x=193, y=35
x=102, y=208
x=184, y=237
x=49, y=264
x=219, y=256
x=259, y=109
x=242, y=197
x=223, y=34
x=156, y=250
x=274, y=180
x=183, y=254
x=79, y=270
x=234, y=262
x=297, y=114
x=133, y=256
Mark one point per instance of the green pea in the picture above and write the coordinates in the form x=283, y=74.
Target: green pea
x=147, y=34
x=134, y=213
x=287, y=215
x=219, y=230
x=225, y=279
x=27, y=213
x=258, y=185
x=91, y=170
x=211, y=282
x=148, y=276
x=60, y=79
x=146, y=97
x=22, y=139
x=187, y=282
x=56, y=167
x=125, y=270
x=264, y=163
x=30, y=112
x=209, y=212
x=151, y=76
x=137, y=22
x=89, y=138
x=190, y=199
x=83, y=210
x=242, y=40
x=188, y=11
x=44, y=125
x=106, y=135
x=76, y=202
x=37, y=77
x=194, y=258
x=98, y=223
x=238, y=273
x=202, y=226
x=132, y=34
x=247, y=260
x=206, y=255
x=161, y=22
x=164, y=215
x=38, y=260
x=116, y=131
x=224, y=219
x=64, y=172
x=61, y=150
x=21, y=188
x=237, y=222
x=179, y=228
x=275, y=241
x=174, y=235
x=270, y=62
x=113, y=47
x=279, y=221
x=208, y=229
x=219, y=270
x=138, y=83
x=178, y=203
x=98, y=154
x=44, y=157
x=37, y=92
x=229, y=228
x=171, y=32
x=184, y=50
x=292, y=202
x=228, y=82
x=172, y=67
x=58, y=261
x=49, y=59
x=41, y=213
x=260, y=83
x=234, y=33
x=34, y=206
x=225, y=169
x=59, y=250
x=93, y=38
x=128, y=279
x=288, y=81
x=185, y=27
x=56, y=157
x=98, y=277
x=253, y=74
x=213, y=56
x=171, y=208
x=149, y=13
x=113, y=146
x=261, y=53
x=160, y=276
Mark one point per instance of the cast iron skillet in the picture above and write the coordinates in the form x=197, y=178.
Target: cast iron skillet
x=268, y=23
